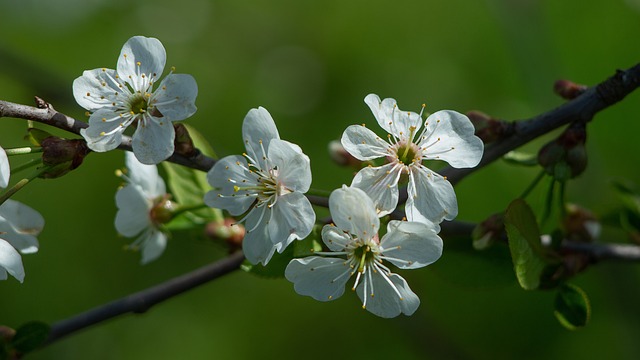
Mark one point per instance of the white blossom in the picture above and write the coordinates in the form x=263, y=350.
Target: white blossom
x=355, y=249
x=19, y=226
x=141, y=204
x=447, y=135
x=125, y=96
x=267, y=183
x=5, y=170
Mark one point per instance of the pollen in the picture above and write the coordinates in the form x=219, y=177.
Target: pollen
x=103, y=133
x=138, y=63
x=88, y=94
x=236, y=188
x=104, y=119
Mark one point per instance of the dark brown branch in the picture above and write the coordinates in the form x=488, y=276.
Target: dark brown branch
x=142, y=301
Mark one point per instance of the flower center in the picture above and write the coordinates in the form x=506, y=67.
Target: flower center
x=138, y=104
x=364, y=255
x=407, y=152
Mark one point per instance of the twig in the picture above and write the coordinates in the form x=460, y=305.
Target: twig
x=142, y=301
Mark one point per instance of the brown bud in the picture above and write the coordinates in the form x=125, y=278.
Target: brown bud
x=565, y=157
x=488, y=232
x=341, y=156
x=487, y=128
x=183, y=142
x=62, y=155
x=580, y=225
x=568, y=89
x=6, y=334
x=228, y=230
x=162, y=210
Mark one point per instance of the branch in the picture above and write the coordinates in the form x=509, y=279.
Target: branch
x=142, y=301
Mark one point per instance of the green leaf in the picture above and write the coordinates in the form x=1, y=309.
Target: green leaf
x=309, y=245
x=521, y=158
x=35, y=136
x=524, y=243
x=188, y=185
x=572, y=307
x=30, y=336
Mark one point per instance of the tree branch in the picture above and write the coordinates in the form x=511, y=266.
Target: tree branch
x=142, y=301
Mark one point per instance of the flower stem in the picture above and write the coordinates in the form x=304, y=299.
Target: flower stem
x=183, y=209
x=23, y=150
x=20, y=184
x=533, y=184
x=28, y=164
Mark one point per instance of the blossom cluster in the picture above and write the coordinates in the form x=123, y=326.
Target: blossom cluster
x=265, y=187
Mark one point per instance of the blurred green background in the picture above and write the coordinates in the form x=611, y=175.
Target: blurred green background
x=311, y=64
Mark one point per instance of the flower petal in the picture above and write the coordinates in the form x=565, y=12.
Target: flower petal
x=145, y=176
x=5, y=169
x=363, y=143
x=411, y=245
x=105, y=129
x=292, y=218
x=294, y=168
x=133, y=210
x=97, y=89
x=381, y=184
x=353, y=211
x=323, y=279
x=431, y=197
x=153, y=140
x=175, y=97
x=335, y=239
x=257, y=245
x=450, y=137
x=228, y=172
x=10, y=261
x=22, y=218
x=153, y=245
x=382, y=297
x=393, y=120
x=141, y=55
x=258, y=129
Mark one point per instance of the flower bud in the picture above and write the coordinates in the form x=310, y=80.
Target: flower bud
x=565, y=157
x=162, y=210
x=341, y=156
x=183, y=142
x=488, y=232
x=62, y=155
x=487, y=128
x=6, y=334
x=228, y=230
x=568, y=89
x=580, y=225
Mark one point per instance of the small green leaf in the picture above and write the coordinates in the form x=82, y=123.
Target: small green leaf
x=35, y=136
x=30, y=336
x=521, y=158
x=524, y=243
x=572, y=307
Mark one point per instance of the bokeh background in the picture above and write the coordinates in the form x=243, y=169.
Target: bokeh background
x=311, y=64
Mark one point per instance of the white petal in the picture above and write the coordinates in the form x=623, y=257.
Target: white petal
x=431, y=197
x=450, y=137
x=153, y=140
x=146, y=176
x=10, y=261
x=5, y=169
x=392, y=119
x=257, y=245
x=258, y=126
x=23, y=219
x=148, y=52
x=153, y=245
x=292, y=218
x=363, y=143
x=225, y=174
x=323, y=279
x=175, y=97
x=133, y=211
x=97, y=89
x=385, y=301
x=335, y=239
x=381, y=184
x=411, y=245
x=353, y=211
x=294, y=168
x=105, y=129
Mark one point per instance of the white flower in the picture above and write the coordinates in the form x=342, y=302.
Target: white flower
x=5, y=170
x=407, y=245
x=447, y=135
x=19, y=226
x=124, y=96
x=268, y=181
x=141, y=204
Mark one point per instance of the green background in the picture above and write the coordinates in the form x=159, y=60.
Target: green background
x=311, y=64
